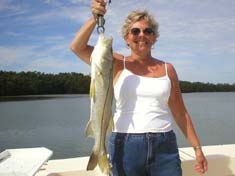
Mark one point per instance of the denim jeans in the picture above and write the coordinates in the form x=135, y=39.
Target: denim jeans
x=145, y=154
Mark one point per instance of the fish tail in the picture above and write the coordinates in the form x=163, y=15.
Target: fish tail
x=101, y=160
x=92, y=163
x=103, y=163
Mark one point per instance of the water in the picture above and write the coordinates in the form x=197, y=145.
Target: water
x=59, y=122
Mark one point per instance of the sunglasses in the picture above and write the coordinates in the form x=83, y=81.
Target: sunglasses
x=146, y=31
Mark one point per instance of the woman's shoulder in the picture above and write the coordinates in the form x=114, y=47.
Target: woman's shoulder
x=118, y=61
x=171, y=71
x=168, y=66
x=118, y=57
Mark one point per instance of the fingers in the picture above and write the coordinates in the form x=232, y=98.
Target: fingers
x=98, y=7
x=201, y=167
x=205, y=165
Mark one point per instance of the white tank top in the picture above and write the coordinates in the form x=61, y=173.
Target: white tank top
x=142, y=103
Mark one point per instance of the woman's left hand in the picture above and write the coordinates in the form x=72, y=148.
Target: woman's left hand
x=202, y=166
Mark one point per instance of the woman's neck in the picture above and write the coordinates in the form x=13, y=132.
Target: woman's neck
x=141, y=58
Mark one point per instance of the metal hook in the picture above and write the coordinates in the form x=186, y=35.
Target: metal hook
x=100, y=29
x=100, y=23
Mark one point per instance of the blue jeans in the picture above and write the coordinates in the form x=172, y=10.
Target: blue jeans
x=145, y=154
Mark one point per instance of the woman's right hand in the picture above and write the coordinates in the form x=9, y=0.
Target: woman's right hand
x=98, y=7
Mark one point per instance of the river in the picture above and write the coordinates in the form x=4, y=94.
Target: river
x=58, y=122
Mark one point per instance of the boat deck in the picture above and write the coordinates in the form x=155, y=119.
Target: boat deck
x=221, y=159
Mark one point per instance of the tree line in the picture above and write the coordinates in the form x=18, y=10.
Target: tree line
x=37, y=83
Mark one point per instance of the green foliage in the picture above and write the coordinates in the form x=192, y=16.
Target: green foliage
x=187, y=87
x=36, y=83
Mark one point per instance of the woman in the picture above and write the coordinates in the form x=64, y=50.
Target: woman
x=147, y=95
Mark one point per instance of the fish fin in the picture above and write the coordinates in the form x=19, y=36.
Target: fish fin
x=103, y=163
x=92, y=163
x=111, y=126
x=89, y=131
x=92, y=89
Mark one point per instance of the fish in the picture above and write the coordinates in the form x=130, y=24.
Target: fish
x=100, y=123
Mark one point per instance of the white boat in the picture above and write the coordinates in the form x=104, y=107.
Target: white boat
x=33, y=162
x=221, y=160
x=24, y=161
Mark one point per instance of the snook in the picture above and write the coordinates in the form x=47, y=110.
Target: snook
x=101, y=96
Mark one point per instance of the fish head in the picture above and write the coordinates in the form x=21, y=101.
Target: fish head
x=103, y=53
